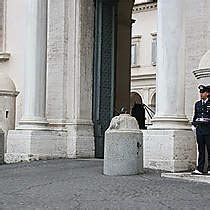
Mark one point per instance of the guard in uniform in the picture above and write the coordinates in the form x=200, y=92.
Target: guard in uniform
x=201, y=121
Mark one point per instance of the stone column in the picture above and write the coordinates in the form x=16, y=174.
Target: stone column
x=170, y=109
x=170, y=144
x=33, y=139
x=35, y=66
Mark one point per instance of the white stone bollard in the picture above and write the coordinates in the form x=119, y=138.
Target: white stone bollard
x=123, y=153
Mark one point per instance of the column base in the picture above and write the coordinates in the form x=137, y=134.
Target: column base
x=29, y=145
x=1, y=147
x=169, y=150
x=80, y=140
x=170, y=123
x=35, y=123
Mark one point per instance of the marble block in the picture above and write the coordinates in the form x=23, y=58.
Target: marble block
x=123, y=153
x=169, y=150
x=29, y=145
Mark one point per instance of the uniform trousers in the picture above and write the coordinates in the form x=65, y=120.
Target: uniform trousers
x=203, y=140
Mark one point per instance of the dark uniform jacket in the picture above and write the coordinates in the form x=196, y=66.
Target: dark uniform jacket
x=202, y=111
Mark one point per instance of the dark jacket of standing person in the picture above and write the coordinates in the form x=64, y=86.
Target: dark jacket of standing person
x=138, y=112
x=201, y=121
x=202, y=110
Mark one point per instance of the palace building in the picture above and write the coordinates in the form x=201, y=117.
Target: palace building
x=66, y=67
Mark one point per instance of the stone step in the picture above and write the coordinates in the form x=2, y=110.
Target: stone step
x=188, y=176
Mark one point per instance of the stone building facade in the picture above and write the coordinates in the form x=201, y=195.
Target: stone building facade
x=144, y=55
x=65, y=61
x=67, y=65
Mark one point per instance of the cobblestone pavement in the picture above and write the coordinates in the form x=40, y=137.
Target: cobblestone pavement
x=79, y=184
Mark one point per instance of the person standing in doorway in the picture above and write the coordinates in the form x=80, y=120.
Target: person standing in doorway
x=201, y=121
x=138, y=112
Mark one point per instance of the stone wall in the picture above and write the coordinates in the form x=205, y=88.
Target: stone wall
x=1, y=23
x=56, y=62
x=197, y=43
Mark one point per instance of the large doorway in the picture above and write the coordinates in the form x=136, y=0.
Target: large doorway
x=104, y=71
x=111, y=74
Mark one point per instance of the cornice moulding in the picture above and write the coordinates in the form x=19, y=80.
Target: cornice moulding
x=4, y=56
x=202, y=73
x=8, y=93
x=144, y=7
x=143, y=77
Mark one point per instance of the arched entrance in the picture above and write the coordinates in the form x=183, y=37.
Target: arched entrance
x=111, y=75
x=135, y=98
x=137, y=109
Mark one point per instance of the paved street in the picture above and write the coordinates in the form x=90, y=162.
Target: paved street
x=79, y=184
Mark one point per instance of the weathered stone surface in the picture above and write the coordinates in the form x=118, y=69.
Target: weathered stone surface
x=70, y=62
x=123, y=147
x=7, y=112
x=197, y=29
x=79, y=81
x=1, y=23
x=169, y=150
x=1, y=146
x=28, y=145
x=80, y=140
x=57, y=62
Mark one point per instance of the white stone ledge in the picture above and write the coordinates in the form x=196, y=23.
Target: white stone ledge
x=187, y=176
x=4, y=56
x=18, y=157
x=135, y=66
x=143, y=77
x=8, y=93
